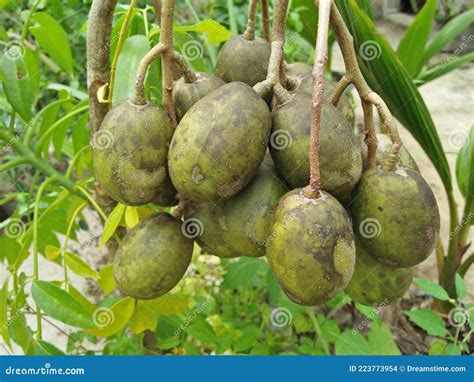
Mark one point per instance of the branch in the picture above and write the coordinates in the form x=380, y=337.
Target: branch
x=99, y=28
x=368, y=97
x=266, y=21
x=249, y=33
x=321, y=58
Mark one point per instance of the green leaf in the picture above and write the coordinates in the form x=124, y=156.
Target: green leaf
x=17, y=83
x=53, y=39
x=432, y=288
x=437, y=347
x=109, y=321
x=381, y=340
x=79, y=267
x=448, y=33
x=46, y=348
x=352, y=342
x=214, y=31
x=465, y=173
x=428, y=320
x=112, y=223
x=411, y=47
x=4, y=314
x=11, y=249
x=441, y=68
x=133, y=50
x=19, y=330
x=245, y=272
x=367, y=7
x=387, y=76
x=51, y=252
x=107, y=280
x=202, y=331
x=461, y=288
x=247, y=339
x=89, y=306
x=131, y=217
x=33, y=63
x=60, y=305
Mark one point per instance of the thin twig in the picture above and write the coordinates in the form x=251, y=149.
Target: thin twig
x=266, y=21
x=321, y=58
x=157, y=8
x=188, y=74
x=354, y=75
x=249, y=33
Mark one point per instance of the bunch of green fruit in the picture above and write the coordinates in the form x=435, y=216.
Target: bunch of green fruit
x=240, y=167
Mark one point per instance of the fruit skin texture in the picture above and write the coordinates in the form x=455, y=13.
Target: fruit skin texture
x=383, y=148
x=312, y=251
x=219, y=144
x=374, y=283
x=243, y=60
x=186, y=95
x=339, y=152
x=152, y=258
x=396, y=216
x=240, y=226
x=131, y=162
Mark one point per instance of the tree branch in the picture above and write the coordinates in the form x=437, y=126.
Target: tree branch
x=249, y=33
x=266, y=21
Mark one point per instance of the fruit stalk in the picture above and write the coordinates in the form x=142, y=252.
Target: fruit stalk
x=266, y=21
x=354, y=75
x=276, y=56
x=249, y=33
x=188, y=73
x=321, y=58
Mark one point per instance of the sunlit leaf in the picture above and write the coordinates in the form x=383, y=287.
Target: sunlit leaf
x=107, y=280
x=427, y=320
x=79, y=266
x=60, y=305
x=4, y=314
x=53, y=39
x=52, y=252
x=131, y=216
x=46, y=348
x=465, y=173
x=214, y=31
x=109, y=321
x=112, y=223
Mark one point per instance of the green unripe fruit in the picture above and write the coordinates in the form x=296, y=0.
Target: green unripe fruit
x=130, y=152
x=219, y=144
x=383, y=148
x=240, y=226
x=306, y=86
x=311, y=251
x=243, y=60
x=168, y=196
x=339, y=152
x=374, y=283
x=152, y=258
x=396, y=216
x=187, y=94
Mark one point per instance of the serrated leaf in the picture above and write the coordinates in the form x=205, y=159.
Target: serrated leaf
x=46, y=348
x=52, y=252
x=111, y=320
x=133, y=50
x=214, y=31
x=387, y=76
x=432, y=288
x=461, y=288
x=79, y=266
x=428, y=320
x=131, y=217
x=17, y=83
x=112, y=223
x=412, y=46
x=352, y=342
x=381, y=340
x=60, y=305
x=53, y=39
x=202, y=331
x=106, y=279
